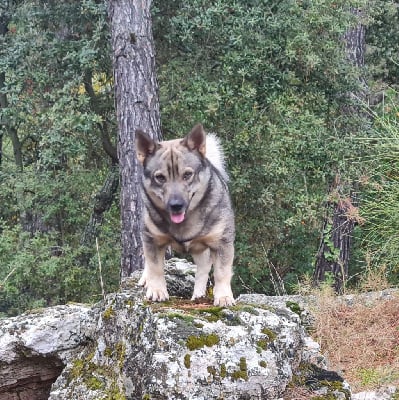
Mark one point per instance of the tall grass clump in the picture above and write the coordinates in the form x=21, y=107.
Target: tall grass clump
x=380, y=193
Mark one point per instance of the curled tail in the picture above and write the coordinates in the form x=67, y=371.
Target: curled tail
x=214, y=153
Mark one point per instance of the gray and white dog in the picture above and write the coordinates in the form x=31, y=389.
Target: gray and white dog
x=186, y=205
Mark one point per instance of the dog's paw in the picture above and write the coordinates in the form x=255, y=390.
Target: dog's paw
x=225, y=301
x=198, y=295
x=156, y=293
x=155, y=288
x=142, y=280
x=223, y=296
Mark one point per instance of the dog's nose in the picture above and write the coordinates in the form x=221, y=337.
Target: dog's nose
x=176, y=205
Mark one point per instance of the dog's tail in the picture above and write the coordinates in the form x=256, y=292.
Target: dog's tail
x=214, y=153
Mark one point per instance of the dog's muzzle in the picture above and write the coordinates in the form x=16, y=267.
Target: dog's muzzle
x=177, y=208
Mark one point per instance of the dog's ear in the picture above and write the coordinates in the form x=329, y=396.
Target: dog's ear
x=196, y=139
x=145, y=146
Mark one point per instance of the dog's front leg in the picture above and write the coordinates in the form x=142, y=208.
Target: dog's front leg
x=153, y=277
x=204, y=264
x=223, y=272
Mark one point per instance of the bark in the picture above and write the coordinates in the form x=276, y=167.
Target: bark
x=17, y=148
x=334, y=249
x=341, y=210
x=3, y=96
x=137, y=106
x=2, y=106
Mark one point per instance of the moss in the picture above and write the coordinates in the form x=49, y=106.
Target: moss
x=263, y=364
x=129, y=303
x=118, y=353
x=187, y=361
x=223, y=371
x=243, y=364
x=211, y=314
x=263, y=343
x=315, y=378
x=271, y=335
x=77, y=368
x=334, y=386
x=294, y=307
x=108, y=313
x=242, y=372
x=184, y=317
x=120, y=350
x=108, y=352
x=91, y=374
x=85, y=370
x=245, y=308
x=236, y=375
x=146, y=397
x=215, y=374
x=197, y=342
x=114, y=393
x=93, y=383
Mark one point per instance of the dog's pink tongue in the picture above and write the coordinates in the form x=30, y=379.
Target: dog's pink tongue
x=177, y=218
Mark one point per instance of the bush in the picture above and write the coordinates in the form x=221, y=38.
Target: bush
x=268, y=78
x=378, y=237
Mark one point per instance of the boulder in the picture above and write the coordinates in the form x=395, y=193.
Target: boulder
x=36, y=346
x=127, y=348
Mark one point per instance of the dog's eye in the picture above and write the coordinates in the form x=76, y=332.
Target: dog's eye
x=187, y=175
x=160, y=177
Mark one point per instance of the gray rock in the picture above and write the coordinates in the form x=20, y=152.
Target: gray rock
x=384, y=393
x=34, y=348
x=126, y=348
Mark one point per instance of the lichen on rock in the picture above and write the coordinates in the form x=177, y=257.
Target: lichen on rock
x=128, y=348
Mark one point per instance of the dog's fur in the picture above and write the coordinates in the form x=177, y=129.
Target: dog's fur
x=187, y=205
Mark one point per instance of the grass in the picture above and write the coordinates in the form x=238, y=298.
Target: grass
x=360, y=340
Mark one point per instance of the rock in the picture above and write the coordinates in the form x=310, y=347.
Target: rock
x=384, y=393
x=126, y=348
x=34, y=348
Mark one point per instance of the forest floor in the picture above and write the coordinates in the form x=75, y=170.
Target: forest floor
x=359, y=335
x=361, y=340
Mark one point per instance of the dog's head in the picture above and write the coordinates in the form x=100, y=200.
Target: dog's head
x=174, y=171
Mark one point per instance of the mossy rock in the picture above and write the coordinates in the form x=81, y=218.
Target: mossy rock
x=197, y=342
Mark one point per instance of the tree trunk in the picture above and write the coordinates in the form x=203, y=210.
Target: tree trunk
x=334, y=250
x=341, y=212
x=3, y=98
x=137, y=106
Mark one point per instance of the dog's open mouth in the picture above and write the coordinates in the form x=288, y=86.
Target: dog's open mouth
x=177, y=218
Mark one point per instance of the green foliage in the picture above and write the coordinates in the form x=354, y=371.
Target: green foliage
x=268, y=78
x=38, y=272
x=50, y=56
x=383, y=42
x=380, y=207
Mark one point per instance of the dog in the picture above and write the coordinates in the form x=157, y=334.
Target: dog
x=187, y=206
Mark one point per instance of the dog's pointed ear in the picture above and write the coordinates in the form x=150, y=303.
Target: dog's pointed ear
x=145, y=146
x=196, y=139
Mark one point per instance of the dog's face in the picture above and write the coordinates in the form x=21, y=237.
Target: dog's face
x=173, y=172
